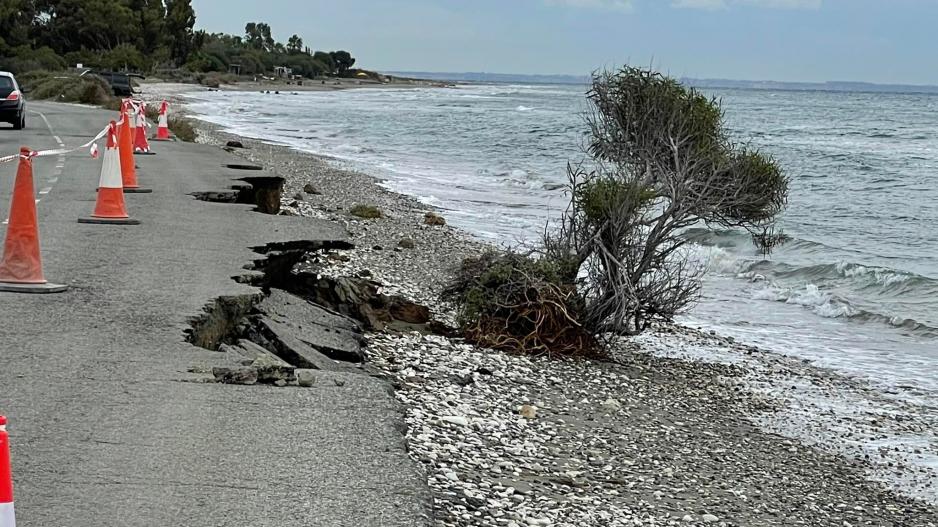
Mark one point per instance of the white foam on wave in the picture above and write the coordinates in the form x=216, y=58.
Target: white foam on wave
x=881, y=275
x=523, y=108
x=713, y=259
x=810, y=296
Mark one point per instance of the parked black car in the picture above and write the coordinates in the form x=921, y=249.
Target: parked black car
x=120, y=82
x=12, y=102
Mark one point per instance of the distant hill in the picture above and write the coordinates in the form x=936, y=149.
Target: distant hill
x=836, y=86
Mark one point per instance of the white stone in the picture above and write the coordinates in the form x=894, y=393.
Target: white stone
x=455, y=419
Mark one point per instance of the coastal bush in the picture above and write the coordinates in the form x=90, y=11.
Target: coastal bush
x=113, y=104
x=86, y=89
x=211, y=80
x=181, y=128
x=152, y=111
x=23, y=59
x=658, y=161
x=368, y=212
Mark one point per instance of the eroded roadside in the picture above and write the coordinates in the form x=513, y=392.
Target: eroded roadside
x=107, y=425
x=648, y=440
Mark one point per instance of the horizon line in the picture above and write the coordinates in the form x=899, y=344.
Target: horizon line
x=681, y=77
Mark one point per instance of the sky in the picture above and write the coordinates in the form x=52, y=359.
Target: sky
x=883, y=41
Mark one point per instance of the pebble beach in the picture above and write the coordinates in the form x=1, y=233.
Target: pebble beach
x=682, y=427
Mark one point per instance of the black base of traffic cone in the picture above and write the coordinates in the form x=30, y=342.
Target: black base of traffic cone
x=10, y=287
x=109, y=221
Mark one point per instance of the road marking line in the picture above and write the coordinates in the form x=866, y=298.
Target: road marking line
x=58, y=167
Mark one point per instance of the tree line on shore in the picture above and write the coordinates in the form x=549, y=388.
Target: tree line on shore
x=144, y=36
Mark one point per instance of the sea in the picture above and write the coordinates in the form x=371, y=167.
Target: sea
x=854, y=290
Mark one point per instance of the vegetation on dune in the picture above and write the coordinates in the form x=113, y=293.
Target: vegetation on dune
x=658, y=160
x=146, y=36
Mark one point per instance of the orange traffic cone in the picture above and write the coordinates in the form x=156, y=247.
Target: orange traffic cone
x=110, y=207
x=162, y=127
x=141, y=145
x=21, y=266
x=126, y=146
x=7, y=518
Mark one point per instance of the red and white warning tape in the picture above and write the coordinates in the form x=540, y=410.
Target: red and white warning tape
x=92, y=144
x=139, y=109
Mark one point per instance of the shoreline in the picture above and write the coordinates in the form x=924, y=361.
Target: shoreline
x=173, y=91
x=739, y=459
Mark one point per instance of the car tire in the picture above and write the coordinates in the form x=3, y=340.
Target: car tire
x=20, y=123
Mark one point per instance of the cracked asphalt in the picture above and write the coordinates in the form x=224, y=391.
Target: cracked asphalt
x=106, y=425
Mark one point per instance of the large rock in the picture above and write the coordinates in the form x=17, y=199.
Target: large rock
x=409, y=312
x=306, y=378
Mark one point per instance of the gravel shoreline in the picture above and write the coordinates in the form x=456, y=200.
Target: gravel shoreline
x=656, y=437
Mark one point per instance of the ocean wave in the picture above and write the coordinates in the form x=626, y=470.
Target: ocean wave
x=828, y=304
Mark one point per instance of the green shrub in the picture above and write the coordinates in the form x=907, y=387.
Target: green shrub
x=182, y=128
x=91, y=92
x=152, y=112
x=113, y=103
x=31, y=79
x=24, y=59
x=212, y=80
x=87, y=89
x=368, y=212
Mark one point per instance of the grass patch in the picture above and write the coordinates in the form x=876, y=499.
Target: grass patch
x=368, y=212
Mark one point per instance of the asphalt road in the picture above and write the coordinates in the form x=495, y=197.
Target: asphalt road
x=107, y=426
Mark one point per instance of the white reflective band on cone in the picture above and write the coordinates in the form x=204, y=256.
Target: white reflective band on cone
x=7, y=518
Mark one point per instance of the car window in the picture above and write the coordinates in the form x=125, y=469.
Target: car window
x=6, y=86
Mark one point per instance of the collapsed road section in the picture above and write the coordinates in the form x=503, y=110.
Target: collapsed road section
x=300, y=320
